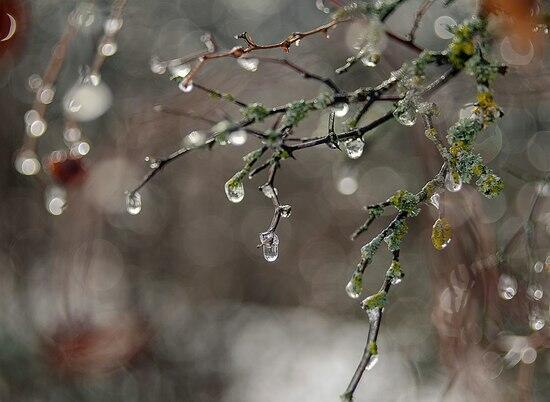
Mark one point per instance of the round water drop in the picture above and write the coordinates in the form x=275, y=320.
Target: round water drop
x=37, y=128
x=35, y=82
x=341, y=109
x=238, y=137
x=354, y=148
x=372, y=362
x=185, y=87
x=249, y=64
x=535, y=291
x=434, y=200
x=56, y=200
x=27, y=163
x=536, y=320
x=45, y=94
x=270, y=246
x=86, y=101
x=453, y=182
x=507, y=286
x=234, y=189
x=538, y=267
x=108, y=48
x=133, y=203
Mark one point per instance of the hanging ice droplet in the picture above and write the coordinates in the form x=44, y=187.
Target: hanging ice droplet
x=56, y=200
x=157, y=66
x=507, y=286
x=37, y=127
x=354, y=148
x=405, y=112
x=536, y=320
x=238, y=137
x=185, y=87
x=234, y=189
x=434, y=200
x=108, y=48
x=269, y=191
x=441, y=233
x=194, y=139
x=453, y=182
x=286, y=210
x=355, y=285
x=372, y=56
x=372, y=362
x=535, y=291
x=249, y=64
x=133, y=203
x=27, y=163
x=112, y=25
x=179, y=70
x=45, y=94
x=341, y=109
x=270, y=246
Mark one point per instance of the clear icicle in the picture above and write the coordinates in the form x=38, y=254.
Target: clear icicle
x=270, y=246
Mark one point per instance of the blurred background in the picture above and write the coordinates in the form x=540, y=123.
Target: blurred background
x=177, y=303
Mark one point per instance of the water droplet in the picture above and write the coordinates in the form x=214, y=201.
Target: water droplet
x=133, y=203
x=354, y=148
x=45, y=94
x=108, y=48
x=179, y=70
x=270, y=246
x=35, y=82
x=269, y=191
x=528, y=355
x=453, y=182
x=153, y=163
x=372, y=56
x=538, y=267
x=186, y=87
x=297, y=43
x=238, y=137
x=536, y=320
x=372, y=362
x=341, y=109
x=37, y=127
x=443, y=26
x=434, y=200
x=27, y=163
x=194, y=139
x=507, y=286
x=286, y=210
x=320, y=4
x=441, y=233
x=31, y=116
x=157, y=66
x=234, y=189
x=72, y=134
x=353, y=288
x=535, y=291
x=112, y=25
x=249, y=64
x=405, y=112
x=56, y=200
x=347, y=185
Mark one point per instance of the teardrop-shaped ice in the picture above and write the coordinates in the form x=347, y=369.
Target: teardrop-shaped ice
x=354, y=148
x=249, y=64
x=270, y=246
x=234, y=189
x=133, y=203
x=441, y=233
x=341, y=109
x=453, y=182
x=372, y=362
